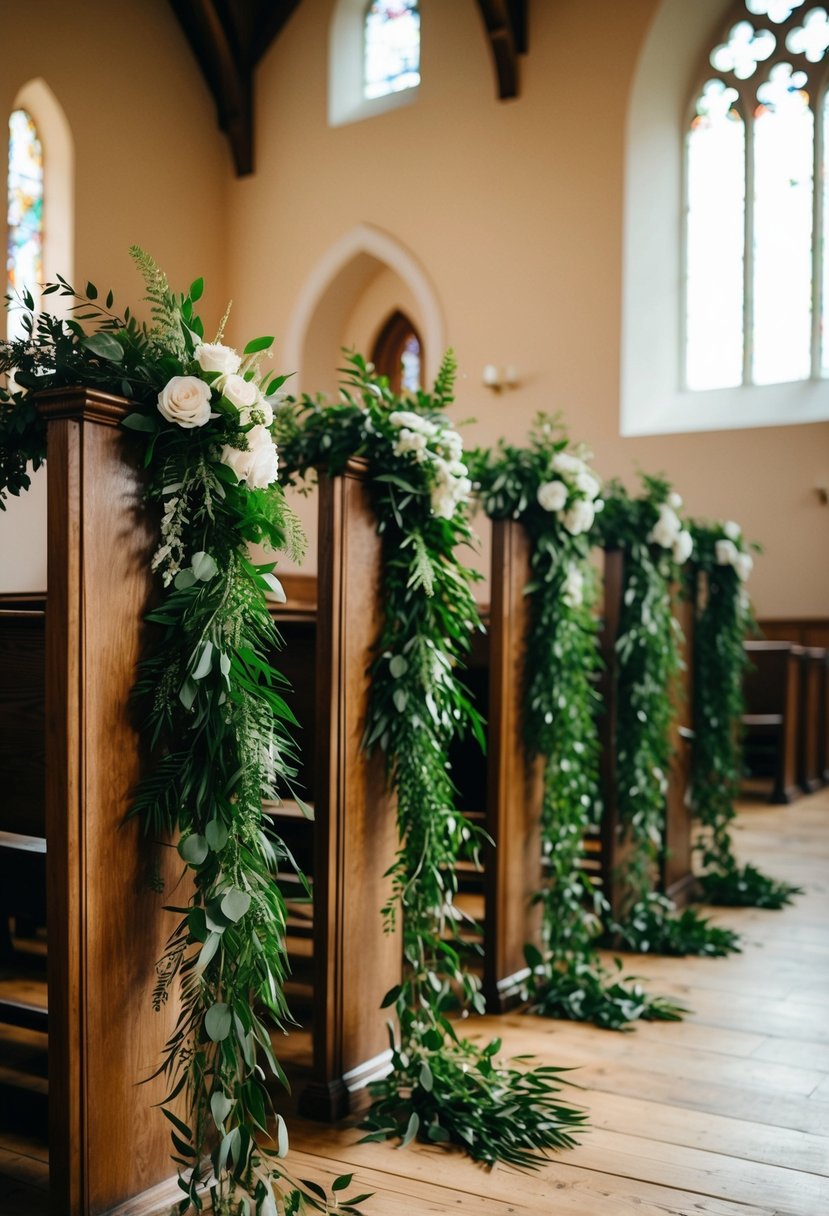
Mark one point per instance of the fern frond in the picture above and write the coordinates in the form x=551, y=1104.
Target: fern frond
x=444, y=390
x=163, y=303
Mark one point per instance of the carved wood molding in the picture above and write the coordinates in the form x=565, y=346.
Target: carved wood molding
x=505, y=22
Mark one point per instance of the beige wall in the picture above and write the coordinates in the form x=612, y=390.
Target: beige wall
x=514, y=212
x=150, y=169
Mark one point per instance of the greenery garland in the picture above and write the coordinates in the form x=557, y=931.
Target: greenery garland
x=555, y=495
x=656, y=545
x=442, y=1088
x=214, y=717
x=723, y=619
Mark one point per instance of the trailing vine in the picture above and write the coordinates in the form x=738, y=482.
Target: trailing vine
x=215, y=722
x=442, y=1088
x=554, y=494
x=723, y=619
x=656, y=545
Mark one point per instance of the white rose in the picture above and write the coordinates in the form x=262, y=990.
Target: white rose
x=683, y=547
x=443, y=502
x=238, y=391
x=579, y=518
x=666, y=529
x=258, y=465
x=726, y=552
x=213, y=357
x=588, y=484
x=743, y=564
x=675, y=500
x=732, y=529
x=598, y=505
x=410, y=441
x=552, y=495
x=563, y=462
x=414, y=422
x=264, y=411
x=185, y=400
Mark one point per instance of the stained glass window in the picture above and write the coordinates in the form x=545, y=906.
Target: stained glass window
x=24, y=260
x=392, y=47
x=756, y=279
x=398, y=354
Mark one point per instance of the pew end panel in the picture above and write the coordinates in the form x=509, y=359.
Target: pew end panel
x=355, y=838
x=512, y=868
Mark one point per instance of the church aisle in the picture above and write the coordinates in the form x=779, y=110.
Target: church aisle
x=725, y=1114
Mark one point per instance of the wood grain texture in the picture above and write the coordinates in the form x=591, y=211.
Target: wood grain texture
x=105, y=924
x=514, y=784
x=724, y=1114
x=355, y=837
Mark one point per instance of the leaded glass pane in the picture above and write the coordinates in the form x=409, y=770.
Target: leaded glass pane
x=783, y=172
x=410, y=365
x=715, y=240
x=392, y=47
x=24, y=259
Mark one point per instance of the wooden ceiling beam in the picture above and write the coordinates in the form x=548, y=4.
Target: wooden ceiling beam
x=228, y=38
x=505, y=22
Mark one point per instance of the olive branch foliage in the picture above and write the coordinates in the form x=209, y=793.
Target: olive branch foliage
x=561, y=707
x=216, y=724
x=723, y=619
x=648, y=663
x=442, y=1088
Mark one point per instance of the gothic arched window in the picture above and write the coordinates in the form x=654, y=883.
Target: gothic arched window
x=398, y=354
x=756, y=280
x=24, y=254
x=391, y=47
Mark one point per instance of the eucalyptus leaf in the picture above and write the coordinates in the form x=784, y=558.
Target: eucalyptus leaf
x=235, y=904
x=218, y=1021
x=193, y=849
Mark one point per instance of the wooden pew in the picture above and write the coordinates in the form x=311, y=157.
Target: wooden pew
x=354, y=837
x=676, y=876
x=75, y=665
x=810, y=768
x=513, y=869
x=771, y=721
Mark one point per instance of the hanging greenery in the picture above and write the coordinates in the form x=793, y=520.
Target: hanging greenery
x=656, y=545
x=442, y=1088
x=552, y=491
x=214, y=718
x=723, y=620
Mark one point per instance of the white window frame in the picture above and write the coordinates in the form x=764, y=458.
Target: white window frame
x=654, y=400
x=346, y=69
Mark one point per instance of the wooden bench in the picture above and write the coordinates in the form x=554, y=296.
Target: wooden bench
x=772, y=688
x=676, y=878
x=811, y=737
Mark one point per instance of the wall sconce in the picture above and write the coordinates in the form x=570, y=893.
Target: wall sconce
x=500, y=378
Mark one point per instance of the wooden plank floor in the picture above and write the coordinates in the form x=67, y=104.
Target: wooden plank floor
x=724, y=1114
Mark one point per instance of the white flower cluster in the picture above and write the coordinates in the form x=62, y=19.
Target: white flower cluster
x=186, y=401
x=669, y=533
x=573, y=495
x=729, y=553
x=572, y=591
x=441, y=448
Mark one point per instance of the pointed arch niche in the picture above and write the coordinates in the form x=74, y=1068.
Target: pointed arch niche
x=654, y=399
x=348, y=298
x=23, y=524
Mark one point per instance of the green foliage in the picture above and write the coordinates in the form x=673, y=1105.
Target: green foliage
x=653, y=926
x=441, y=1088
x=648, y=665
x=216, y=724
x=723, y=619
x=561, y=705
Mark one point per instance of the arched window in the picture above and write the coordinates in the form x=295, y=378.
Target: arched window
x=756, y=278
x=24, y=257
x=391, y=47
x=398, y=354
